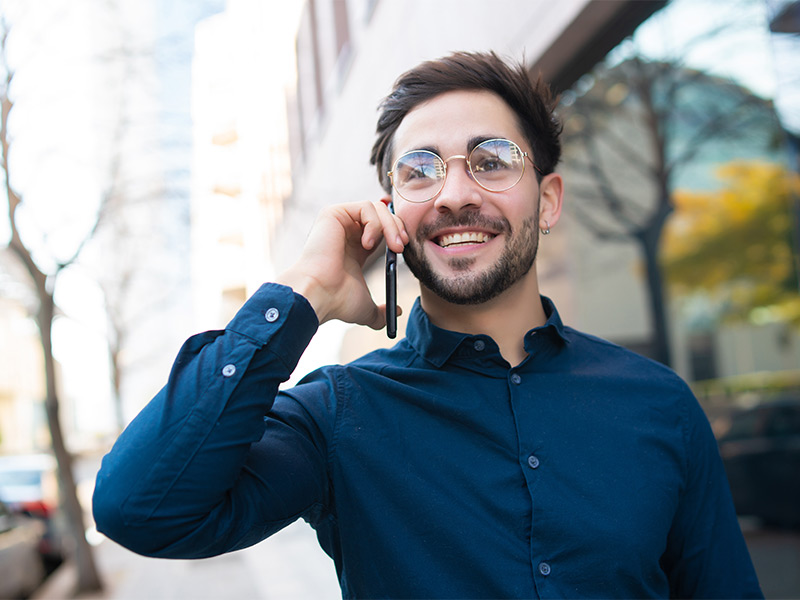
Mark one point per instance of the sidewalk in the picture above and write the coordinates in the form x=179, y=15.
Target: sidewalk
x=289, y=565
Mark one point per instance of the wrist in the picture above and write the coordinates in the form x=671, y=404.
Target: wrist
x=309, y=287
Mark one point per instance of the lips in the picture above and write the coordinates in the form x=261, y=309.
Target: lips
x=462, y=230
x=463, y=238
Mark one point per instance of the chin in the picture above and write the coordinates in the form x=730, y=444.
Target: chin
x=463, y=284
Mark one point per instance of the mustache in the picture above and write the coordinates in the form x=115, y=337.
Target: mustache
x=474, y=219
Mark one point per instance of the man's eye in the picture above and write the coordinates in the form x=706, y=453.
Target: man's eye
x=418, y=170
x=486, y=165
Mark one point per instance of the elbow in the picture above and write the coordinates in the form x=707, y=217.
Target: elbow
x=108, y=516
x=111, y=520
x=140, y=531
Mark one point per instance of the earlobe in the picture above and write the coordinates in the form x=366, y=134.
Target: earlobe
x=551, y=195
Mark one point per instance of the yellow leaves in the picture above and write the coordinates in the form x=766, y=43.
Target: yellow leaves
x=737, y=241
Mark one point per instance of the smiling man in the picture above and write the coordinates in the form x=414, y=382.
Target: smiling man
x=493, y=452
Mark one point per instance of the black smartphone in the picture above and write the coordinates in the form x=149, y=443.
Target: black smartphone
x=391, y=293
x=391, y=290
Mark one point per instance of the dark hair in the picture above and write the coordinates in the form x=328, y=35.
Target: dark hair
x=530, y=99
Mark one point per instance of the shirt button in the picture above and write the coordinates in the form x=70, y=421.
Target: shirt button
x=228, y=370
x=533, y=462
x=272, y=315
x=544, y=569
x=479, y=345
x=516, y=379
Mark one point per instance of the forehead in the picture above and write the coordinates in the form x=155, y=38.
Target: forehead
x=448, y=121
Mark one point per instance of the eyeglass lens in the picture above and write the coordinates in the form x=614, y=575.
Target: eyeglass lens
x=496, y=165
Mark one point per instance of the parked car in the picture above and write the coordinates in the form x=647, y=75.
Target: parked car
x=760, y=448
x=21, y=567
x=29, y=486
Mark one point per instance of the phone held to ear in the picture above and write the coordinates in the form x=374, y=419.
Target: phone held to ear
x=391, y=290
x=391, y=293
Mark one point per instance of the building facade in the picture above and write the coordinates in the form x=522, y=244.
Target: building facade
x=348, y=56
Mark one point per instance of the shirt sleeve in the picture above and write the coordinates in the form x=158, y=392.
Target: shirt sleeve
x=706, y=554
x=191, y=477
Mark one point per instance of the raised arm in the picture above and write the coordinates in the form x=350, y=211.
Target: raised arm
x=186, y=478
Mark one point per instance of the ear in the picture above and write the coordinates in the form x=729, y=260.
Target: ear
x=551, y=195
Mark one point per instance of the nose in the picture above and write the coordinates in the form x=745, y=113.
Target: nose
x=460, y=191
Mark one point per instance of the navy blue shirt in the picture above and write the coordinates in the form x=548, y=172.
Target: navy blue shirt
x=433, y=469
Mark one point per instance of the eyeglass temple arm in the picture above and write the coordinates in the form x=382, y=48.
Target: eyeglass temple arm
x=525, y=154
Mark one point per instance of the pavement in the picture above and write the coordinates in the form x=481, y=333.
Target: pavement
x=291, y=566
x=288, y=566
x=776, y=557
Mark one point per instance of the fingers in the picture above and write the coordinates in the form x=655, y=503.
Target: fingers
x=379, y=321
x=394, y=230
x=379, y=223
x=329, y=272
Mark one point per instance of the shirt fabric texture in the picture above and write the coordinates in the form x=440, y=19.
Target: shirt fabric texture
x=433, y=469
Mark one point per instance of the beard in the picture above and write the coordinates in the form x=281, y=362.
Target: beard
x=468, y=286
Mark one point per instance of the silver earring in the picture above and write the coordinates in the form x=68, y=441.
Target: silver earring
x=546, y=230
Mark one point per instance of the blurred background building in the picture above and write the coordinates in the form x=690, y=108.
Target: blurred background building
x=347, y=55
x=236, y=118
x=208, y=135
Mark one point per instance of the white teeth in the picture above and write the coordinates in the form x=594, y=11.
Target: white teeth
x=472, y=237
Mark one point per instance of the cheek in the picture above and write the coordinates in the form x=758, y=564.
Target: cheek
x=523, y=207
x=411, y=215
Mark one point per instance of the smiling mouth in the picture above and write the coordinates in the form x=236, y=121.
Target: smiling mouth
x=463, y=239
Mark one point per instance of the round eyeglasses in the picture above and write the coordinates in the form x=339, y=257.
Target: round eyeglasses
x=496, y=165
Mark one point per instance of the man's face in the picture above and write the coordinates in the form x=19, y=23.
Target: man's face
x=468, y=245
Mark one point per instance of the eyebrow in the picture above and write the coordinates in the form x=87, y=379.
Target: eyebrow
x=472, y=142
x=476, y=140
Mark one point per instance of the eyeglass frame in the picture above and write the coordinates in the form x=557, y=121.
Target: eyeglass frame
x=469, y=168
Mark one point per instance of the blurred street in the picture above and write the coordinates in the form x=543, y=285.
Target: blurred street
x=290, y=565
x=776, y=555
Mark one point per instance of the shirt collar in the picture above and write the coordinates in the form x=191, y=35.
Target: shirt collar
x=437, y=345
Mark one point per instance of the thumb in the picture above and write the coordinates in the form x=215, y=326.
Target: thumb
x=378, y=318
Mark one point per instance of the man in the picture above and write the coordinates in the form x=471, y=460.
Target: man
x=493, y=452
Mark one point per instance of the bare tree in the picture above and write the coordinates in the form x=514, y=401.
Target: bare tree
x=43, y=283
x=141, y=207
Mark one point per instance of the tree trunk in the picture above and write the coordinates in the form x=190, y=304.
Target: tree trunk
x=88, y=576
x=649, y=239
x=658, y=313
x=116, y=384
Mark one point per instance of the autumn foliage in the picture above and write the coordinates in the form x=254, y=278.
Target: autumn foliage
x=736, y=244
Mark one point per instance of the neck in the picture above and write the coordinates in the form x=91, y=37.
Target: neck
x=505, y=318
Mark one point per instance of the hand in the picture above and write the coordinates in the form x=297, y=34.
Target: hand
x=329, y=273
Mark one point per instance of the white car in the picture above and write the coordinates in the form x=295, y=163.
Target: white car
x=29, y=486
